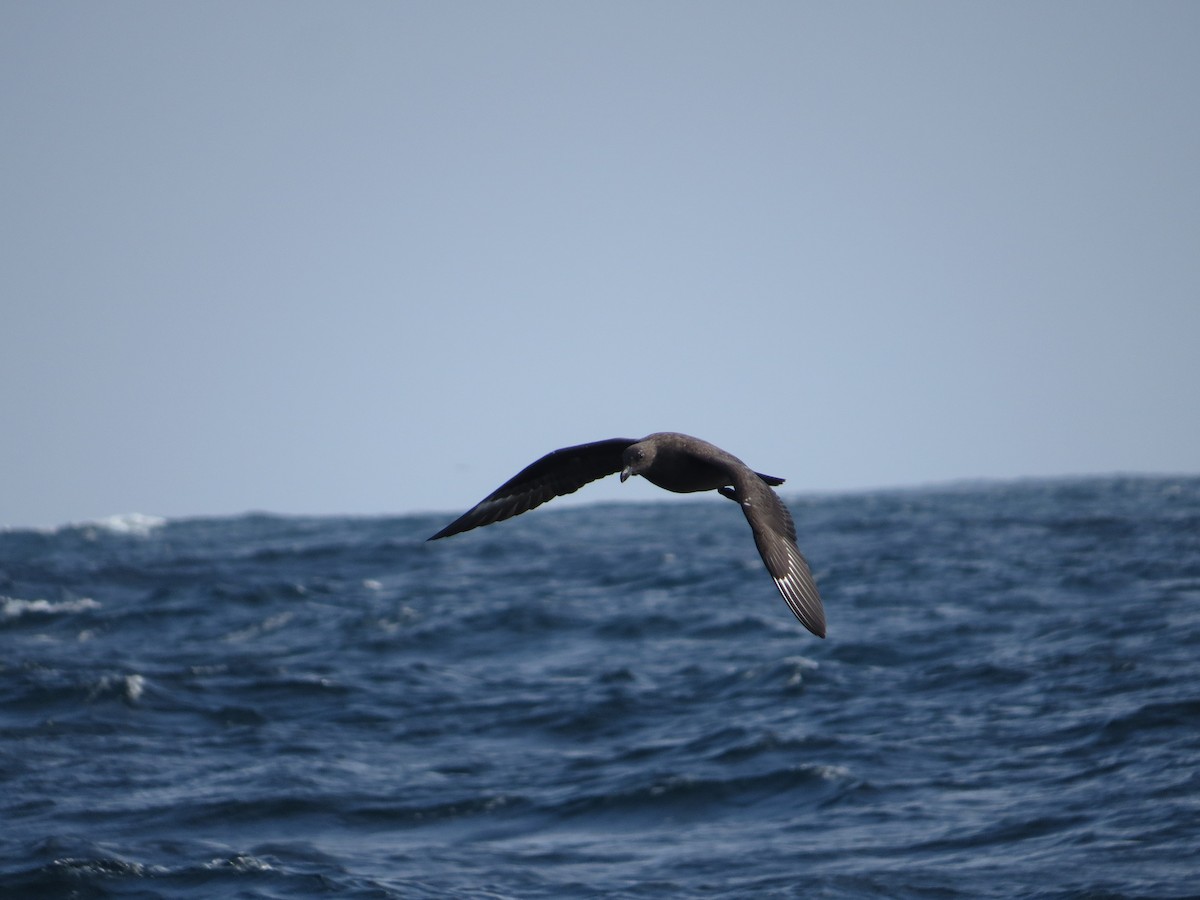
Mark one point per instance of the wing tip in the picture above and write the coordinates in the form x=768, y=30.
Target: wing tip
x=814, y=623
x=800, y=594
x=452, y=528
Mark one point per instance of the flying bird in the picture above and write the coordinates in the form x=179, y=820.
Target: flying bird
x=674, y=462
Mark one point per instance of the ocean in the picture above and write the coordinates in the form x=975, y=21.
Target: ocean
x=611, y=701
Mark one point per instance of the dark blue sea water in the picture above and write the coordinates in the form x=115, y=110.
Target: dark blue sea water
x=611, y=701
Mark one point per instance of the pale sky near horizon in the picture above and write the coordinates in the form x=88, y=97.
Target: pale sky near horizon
x=374, y=257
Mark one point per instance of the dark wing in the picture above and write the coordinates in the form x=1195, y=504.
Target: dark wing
x=775, y=535
x=561, y=472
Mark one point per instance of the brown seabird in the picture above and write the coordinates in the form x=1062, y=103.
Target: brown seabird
x=674, y=462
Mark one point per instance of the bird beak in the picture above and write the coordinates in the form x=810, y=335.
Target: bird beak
x=625, y=473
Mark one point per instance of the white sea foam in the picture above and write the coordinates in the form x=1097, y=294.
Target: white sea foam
x=136, y=524
x=241, y=863
x=134, y=685
x=269, y=624
x=15, y=607
x=131, y=687
x=830, y=773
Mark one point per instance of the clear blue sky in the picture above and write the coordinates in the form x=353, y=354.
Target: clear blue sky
x=374, y=257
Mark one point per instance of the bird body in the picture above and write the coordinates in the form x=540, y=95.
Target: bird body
x=675, y=462
x=684, y=464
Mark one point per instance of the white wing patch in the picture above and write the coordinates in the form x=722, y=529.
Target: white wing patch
x=800, y=592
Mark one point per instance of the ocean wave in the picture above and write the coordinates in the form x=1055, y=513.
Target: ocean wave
x=262, y=706
x=127, y=687
x=681, y=795
x=15, y=607
x=133, y=524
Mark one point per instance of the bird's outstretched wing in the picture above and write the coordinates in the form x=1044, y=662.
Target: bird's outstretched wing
x=561, y=472
x=775, y=535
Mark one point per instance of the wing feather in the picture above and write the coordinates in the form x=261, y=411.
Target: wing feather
x=775, y=537
x=561, y=472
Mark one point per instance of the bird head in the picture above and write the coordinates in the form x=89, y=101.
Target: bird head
x=637, y=458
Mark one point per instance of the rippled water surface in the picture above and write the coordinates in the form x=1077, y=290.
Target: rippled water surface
x=611, y=701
